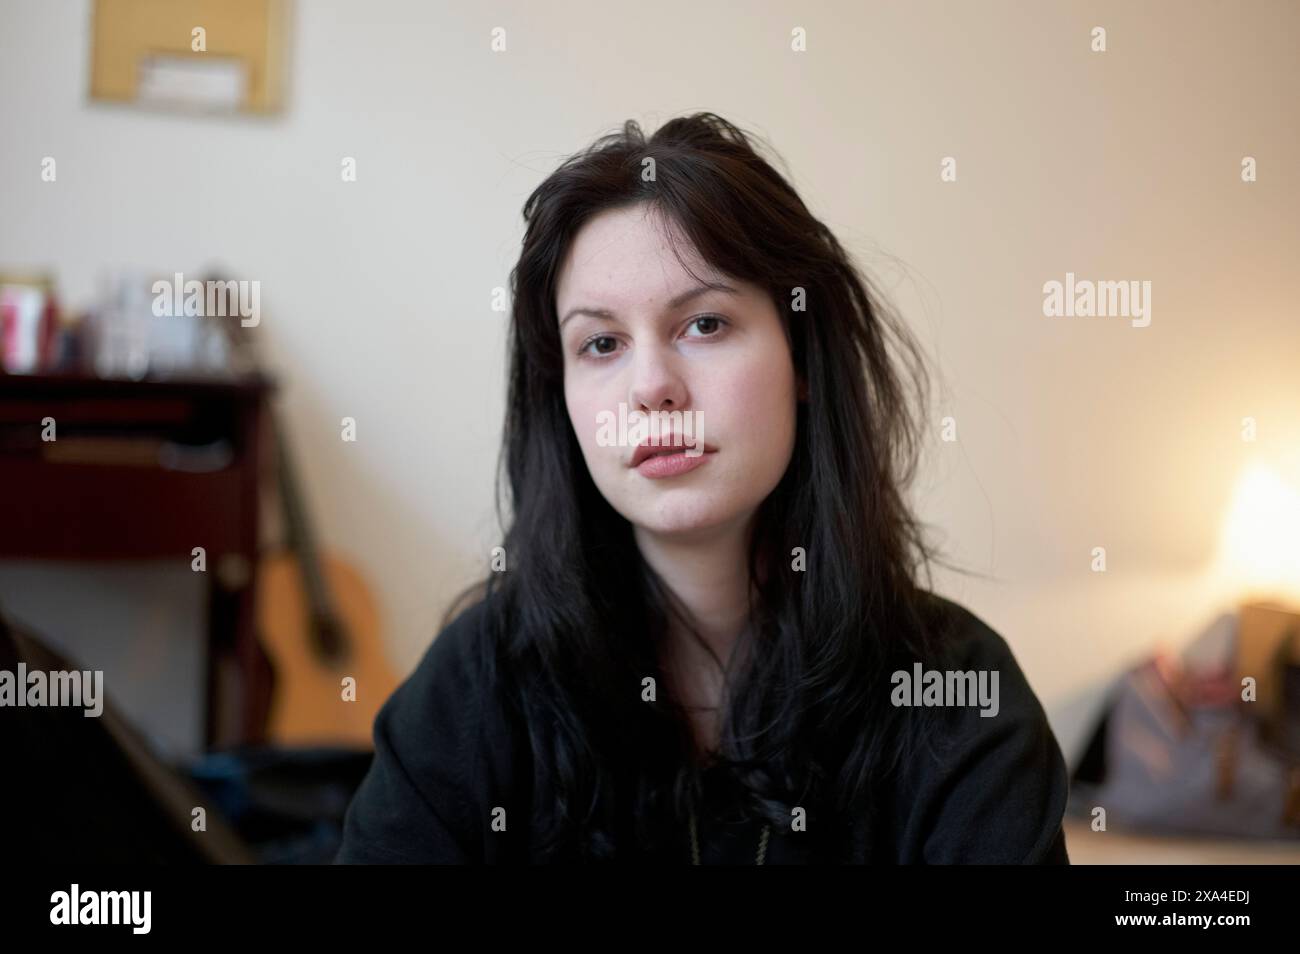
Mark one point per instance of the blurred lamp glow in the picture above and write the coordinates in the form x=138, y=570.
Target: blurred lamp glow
x=1260, y=545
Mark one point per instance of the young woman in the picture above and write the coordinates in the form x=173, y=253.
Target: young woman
x=721, y=654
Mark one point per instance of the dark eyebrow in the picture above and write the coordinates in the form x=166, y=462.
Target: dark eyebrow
x=606, y=315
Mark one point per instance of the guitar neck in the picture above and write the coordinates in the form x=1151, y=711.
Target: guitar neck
x=300, y=538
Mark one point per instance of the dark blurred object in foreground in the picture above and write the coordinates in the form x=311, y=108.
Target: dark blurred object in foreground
x=90, y=790
x=81, y=789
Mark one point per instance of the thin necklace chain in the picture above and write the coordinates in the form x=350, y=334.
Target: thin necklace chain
x=695, y=844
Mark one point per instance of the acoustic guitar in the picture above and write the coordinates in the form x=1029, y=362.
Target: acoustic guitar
x=319, y=625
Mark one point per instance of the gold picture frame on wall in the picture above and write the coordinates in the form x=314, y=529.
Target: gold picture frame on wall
x=213, y=56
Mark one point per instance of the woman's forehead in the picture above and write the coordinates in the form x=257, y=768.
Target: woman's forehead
x=635, y=259
x=624, y=245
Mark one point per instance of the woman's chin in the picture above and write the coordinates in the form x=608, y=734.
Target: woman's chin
x=681, y=518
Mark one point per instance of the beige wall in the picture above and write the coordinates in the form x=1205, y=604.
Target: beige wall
x=1072, y=432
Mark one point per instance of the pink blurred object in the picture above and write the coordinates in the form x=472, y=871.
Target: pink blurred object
x=28, y=323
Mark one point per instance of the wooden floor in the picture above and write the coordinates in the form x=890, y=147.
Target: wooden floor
x=1088, y=847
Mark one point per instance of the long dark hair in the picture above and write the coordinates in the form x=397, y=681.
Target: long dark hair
x=576, y=615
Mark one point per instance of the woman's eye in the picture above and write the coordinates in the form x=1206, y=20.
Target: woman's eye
x=593, y=341
x=709, y=323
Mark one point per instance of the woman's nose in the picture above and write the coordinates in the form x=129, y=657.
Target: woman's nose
x=656, y=381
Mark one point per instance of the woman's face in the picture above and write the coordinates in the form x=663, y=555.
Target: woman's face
x=721, y=357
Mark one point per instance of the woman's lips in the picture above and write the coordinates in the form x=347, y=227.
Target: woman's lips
x=670, y=465
x=669, y=443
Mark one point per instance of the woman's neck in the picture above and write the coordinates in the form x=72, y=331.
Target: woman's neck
x=709, y=575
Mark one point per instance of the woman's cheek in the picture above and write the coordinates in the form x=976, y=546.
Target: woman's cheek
x=772, y=400
x=586, y=417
